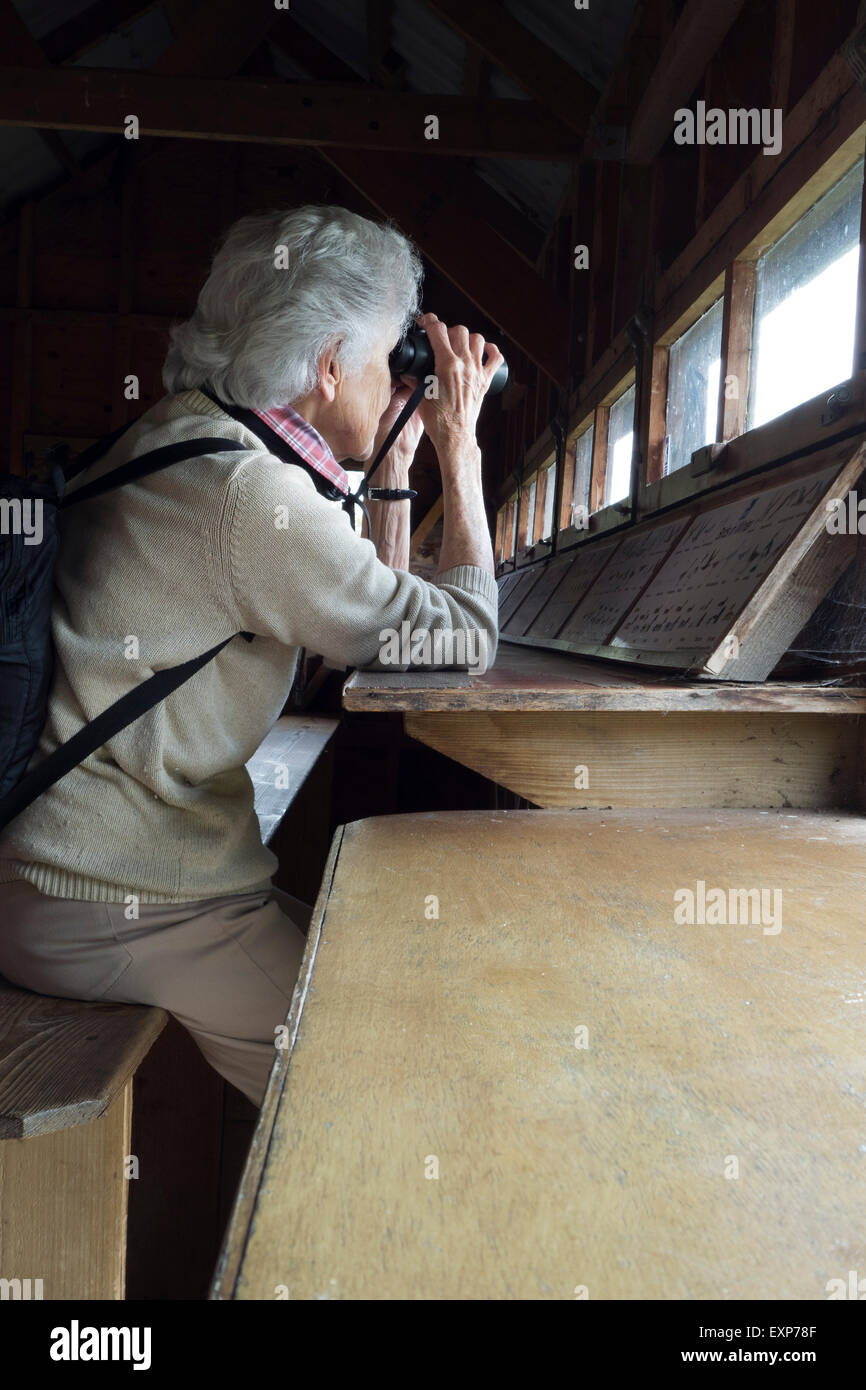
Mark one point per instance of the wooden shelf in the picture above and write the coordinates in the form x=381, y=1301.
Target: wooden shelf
x=528, y=678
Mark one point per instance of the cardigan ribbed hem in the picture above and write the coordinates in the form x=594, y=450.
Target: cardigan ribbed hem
x=60, y=883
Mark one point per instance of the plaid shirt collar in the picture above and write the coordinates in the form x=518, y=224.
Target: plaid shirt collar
x=307, y=441
x=288, y=435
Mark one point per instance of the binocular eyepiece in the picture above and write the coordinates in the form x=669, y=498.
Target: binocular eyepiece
x=414, y=357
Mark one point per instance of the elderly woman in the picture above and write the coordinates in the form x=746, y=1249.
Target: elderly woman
x=141, y=875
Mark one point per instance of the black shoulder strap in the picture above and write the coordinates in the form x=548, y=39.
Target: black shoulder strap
x=148, y=463
x=104, y=727
x=143, y=697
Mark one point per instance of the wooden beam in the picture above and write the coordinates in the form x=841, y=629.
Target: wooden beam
x=488, y=272
x=426, y=524
x=696, y=36
x=472, y=193
x=783, y=48
x=277, y=113
x=702, y=759
x=535, y=67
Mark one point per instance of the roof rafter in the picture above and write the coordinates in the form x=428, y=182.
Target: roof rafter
x=276, y=113
x=695, y=38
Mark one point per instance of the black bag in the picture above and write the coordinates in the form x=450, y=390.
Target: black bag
x=26, y=587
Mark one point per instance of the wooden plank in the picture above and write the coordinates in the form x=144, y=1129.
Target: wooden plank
x=63, y=1206
x=529, y=678
x=373, y=1182
x=276, y=113
x=282, y=762
x=574, y=759
x=697, y=34
x=532, y=64
x=63, y=1062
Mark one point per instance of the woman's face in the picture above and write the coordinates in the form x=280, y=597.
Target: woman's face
x=351, y=419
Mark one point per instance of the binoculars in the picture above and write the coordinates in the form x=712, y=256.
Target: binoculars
x=414, y=357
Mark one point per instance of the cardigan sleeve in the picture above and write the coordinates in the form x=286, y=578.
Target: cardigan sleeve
x=299, y=572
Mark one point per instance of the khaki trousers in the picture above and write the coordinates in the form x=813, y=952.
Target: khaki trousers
x=224, y=967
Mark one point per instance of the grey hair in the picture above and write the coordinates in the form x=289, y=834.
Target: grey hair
x=284, y=286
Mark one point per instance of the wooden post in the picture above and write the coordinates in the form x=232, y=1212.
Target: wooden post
x=737, y=317
x=860, y=324
x=566, y=500
x=654, y=455
x=63, y=1206
x=599, y=458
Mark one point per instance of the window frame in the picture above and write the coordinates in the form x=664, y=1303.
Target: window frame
x=687, y=290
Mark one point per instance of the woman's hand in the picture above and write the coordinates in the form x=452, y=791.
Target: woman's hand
x=403, y=449
x=462, y=379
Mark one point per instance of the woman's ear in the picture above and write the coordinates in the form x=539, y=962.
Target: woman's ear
x=330, y=370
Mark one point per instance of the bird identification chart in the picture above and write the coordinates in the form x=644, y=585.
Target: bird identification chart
x=610, y=598
x=506, y=584
x=530, y=607
x=588, y=562
x=723, y=557
x=523, y=582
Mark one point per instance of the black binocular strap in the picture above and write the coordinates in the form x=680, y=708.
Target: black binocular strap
x=385, y=494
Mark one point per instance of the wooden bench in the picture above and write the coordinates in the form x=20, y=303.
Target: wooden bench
x=66, y=1086
x=512, y=1074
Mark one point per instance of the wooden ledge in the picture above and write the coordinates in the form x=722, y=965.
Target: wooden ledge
x=282, y=762
x=63, y=1061
x=529, y=678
